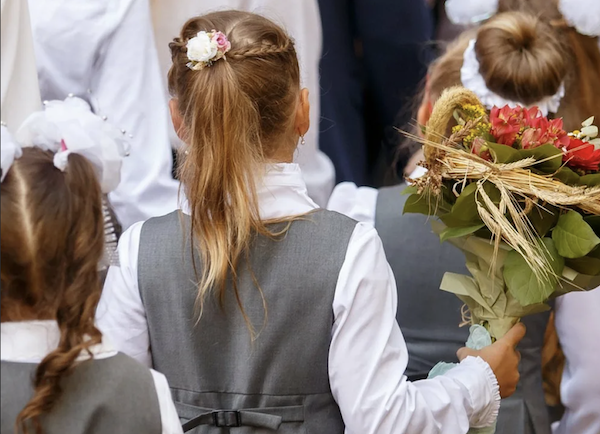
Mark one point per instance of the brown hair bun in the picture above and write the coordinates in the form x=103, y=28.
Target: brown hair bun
x=521, y=58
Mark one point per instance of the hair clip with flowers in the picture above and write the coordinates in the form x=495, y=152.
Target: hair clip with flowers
x=206, y=48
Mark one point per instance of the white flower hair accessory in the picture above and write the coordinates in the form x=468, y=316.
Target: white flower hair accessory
x=472, y=79
x=10, y=151
x=583, y=15
x=465, y=12
x=206, y=48
x=69, y=126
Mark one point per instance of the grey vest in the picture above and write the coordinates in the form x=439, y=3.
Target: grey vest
x=219, y=378
x=106, y=396
x=429, y=317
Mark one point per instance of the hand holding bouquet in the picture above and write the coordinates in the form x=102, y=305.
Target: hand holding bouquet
x=520, y=196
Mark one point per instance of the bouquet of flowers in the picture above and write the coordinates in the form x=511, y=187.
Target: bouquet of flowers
x=519, y=196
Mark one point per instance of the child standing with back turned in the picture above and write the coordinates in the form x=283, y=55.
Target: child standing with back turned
x=59, y=374
x=263, y=311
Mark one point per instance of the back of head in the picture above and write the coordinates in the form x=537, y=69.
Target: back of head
x=261, y=71
x=525, y=55
x=52, y=241
x=236, y=114
x=521, y=58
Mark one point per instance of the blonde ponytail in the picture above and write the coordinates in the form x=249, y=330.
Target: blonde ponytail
x=236, y=114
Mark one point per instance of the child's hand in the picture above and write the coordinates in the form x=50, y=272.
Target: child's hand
x=503, y=358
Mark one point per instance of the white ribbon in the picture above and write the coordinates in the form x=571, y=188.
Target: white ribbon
x=465, y=12
x=69, y=126
x=583, y=15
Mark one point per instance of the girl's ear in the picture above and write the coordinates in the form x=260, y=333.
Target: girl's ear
x=177, y=119
x=302, y=123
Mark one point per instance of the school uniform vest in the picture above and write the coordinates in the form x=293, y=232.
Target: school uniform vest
x=221, y=380
x=115, y=395
x=429, y=317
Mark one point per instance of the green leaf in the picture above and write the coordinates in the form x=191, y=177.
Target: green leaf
x=521, y=281
x=411, y=189
x=448, y=197
x=417, y=204
x=586, y=265
x=543, y=219
x=589, y=264
x=573, y=237
x=464, y=211
x=503, y=153
x=592, y=180
x=567, y=176
x=450, y=233
x=550, y=153
x=594, y=222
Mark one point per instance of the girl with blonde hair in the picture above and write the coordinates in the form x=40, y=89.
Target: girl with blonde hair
x=263, y=311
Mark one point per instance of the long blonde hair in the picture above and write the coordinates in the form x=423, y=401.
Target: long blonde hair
x=236, y=115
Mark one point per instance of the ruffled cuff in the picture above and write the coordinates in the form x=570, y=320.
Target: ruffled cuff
x=484, y=393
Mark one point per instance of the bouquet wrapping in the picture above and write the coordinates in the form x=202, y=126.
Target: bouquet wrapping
x=519, y=196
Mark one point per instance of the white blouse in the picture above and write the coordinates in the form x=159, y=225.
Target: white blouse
x=368, y=355
x=31, y=341
x=107, y=46
x=577, y=324
x=578, y=328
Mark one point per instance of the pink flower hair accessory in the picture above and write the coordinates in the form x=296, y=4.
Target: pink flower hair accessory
x=206, y=48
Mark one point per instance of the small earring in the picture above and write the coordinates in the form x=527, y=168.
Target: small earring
x=302, y=141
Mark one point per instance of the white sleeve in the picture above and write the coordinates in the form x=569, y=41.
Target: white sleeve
x=170, y=422
x=358, y=203
x=368, y=357
x=128, y=88
x=121, y=315
x=578, y=328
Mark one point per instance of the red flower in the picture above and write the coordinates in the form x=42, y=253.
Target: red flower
x=581, y=155
x=543, y=131
x=507, y=122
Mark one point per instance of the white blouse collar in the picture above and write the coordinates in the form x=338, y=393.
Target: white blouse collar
x=281, y=193
x=31, y=341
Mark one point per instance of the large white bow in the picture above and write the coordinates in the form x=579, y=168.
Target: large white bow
x=69, y=126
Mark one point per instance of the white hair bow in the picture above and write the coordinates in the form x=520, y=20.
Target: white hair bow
x=465, y=12
x=583, y=15
x=69, y=126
